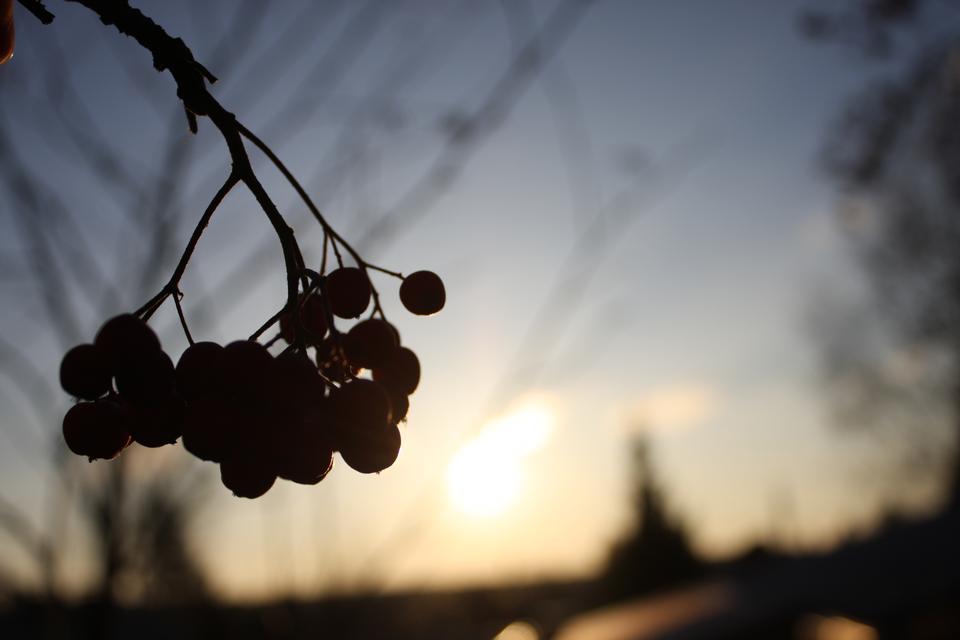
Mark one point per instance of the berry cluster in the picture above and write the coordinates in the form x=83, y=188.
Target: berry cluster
x=257, y=415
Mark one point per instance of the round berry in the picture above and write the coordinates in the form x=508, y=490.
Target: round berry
x=124, y=339
x=96, y=429
x=246, y=365
x=147, y=381
x=207, y=429
x=366, y=436
x=307, y=457
x=358, y=407
x=198, y=370
x=157, y=425
x=348, y=290
x=247, y=476
x=401, y=373
x=313, y=319
x=422, y=293
x=374, y=451
x=399, y=406
x=84, y=372
x=294, y=380
x=255, y=430
x=371, y=343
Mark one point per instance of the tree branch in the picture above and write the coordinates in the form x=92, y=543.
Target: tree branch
x=38, y=10
x=173, y=55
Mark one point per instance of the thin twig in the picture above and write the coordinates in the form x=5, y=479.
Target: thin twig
x=183, y=320
x=173, y=285
x=38, y=10
x=218, y=198
x=173, y=55
x=323, y=259
x=327, y=229
x=414, y=204
x=395, y=274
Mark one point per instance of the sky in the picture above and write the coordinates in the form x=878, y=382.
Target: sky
x=637, y=246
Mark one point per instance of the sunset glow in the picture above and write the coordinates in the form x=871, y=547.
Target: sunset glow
x=485, y=476
x=656, y=273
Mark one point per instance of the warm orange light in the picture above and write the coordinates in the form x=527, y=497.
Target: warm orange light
x=485, y=476
x=815, y=627
x=518, y=630
x=6, y=30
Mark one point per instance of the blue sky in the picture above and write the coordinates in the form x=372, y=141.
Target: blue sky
x=710, y=115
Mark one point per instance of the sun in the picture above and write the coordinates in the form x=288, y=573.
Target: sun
x=485, y=476
x=479, y=484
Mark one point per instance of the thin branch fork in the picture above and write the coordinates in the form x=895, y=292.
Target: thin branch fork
x=173, y=55
x=329, y=232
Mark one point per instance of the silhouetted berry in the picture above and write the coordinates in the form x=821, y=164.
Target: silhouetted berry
x=372, y=451
x=359, y=406
x=399, y=406
x=84, y=372
x=371, y=343
x=294, y=378
x=366, y=437
x=246, y=366
x=255, y=427
x=401, y=372
x=198, y=371
x=422, y=293
x=158, y=425
x=247, y=476
x=308, y=455
x=148, y=381
x=96, y=429
x=313, y=319
x=348, y=291
x=7, y=39
x=210, y=428
x=124, y=339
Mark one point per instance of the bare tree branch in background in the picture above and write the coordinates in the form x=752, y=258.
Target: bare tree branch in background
x=893, y=366
x=466, y=133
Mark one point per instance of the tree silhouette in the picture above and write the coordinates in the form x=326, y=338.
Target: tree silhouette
x=895, y=156
x=656, y=552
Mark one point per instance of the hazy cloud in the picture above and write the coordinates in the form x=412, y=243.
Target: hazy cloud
x=675, y=406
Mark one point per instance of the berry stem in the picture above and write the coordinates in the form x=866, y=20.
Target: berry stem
x=183, y=320
x=323, y=260
x=395, y=274
x=336, y=251
x=146, y=310
x=335, y=237
x=293, y=261
x=218, y=198
x=331, y=233
x=266, y=325
x=173, y=284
